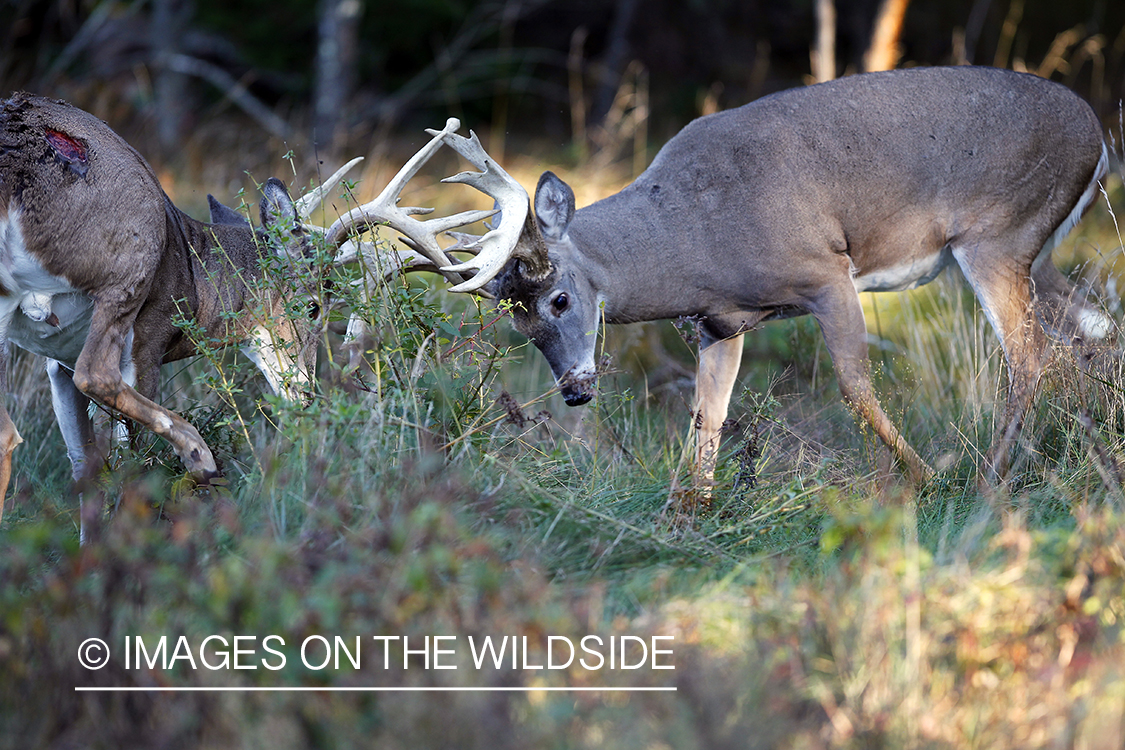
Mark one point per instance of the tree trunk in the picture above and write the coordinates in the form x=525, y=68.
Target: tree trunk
x=824, y=56
x=169, y=20
x=884, y=52
x=338, y=33
x=617, y=50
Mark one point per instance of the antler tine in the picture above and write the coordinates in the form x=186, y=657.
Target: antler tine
x=307, y=203
x=496, y=247
x=385, y=210
x=466, y=243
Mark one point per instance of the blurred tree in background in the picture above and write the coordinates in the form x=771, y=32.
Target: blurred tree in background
x=347, y=70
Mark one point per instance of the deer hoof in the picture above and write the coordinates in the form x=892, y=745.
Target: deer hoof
x=200, y=464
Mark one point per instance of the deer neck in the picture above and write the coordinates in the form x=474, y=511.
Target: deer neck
x=643, y=248
x=219, y=267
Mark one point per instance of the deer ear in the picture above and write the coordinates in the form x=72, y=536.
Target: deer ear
x=281, y=223
x=554, y=206
x=220, y=214
x=277, y=206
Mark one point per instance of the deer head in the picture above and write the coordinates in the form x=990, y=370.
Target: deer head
x=518, y=259
x=559, y=310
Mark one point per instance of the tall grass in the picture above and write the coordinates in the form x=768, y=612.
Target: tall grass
x=817, y=602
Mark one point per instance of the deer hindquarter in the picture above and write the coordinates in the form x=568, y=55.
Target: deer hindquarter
x=83, y=229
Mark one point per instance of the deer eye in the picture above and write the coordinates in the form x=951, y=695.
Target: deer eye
x=314, y=311
x=560, y=303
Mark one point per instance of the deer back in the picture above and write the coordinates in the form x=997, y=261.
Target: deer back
x=82, y=193
x=886, y=168
x=748, y=214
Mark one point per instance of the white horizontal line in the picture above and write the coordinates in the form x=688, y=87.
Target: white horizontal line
x=370, y=689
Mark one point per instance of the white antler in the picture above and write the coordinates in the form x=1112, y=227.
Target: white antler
x=492, y=250
x=307, y=203
x=421, y=235
x=499, y=245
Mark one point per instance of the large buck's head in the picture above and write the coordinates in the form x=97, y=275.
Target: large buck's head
x=557, y=308
x=529, y=261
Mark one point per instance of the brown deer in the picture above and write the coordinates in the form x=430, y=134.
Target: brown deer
x=96, y=264
x=798, y=202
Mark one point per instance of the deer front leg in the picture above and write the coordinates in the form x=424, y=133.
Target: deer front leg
x=714, y=383
x=72, y=415
x=98, y=375
x=838, y=311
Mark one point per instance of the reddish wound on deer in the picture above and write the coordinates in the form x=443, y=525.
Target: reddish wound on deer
x=68, y=147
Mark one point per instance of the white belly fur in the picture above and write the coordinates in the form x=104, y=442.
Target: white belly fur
x=33, y=294
x=909, y=275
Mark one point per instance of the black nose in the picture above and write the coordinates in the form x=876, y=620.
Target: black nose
x=576, y=398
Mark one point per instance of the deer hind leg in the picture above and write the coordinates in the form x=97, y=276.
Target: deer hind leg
x=1003, y=287
x=1065, y=312
x=838, y=311
x=98, y=375
x=71, y=412
x=714, y=383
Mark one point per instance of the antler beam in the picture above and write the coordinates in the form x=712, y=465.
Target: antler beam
x=422, y=235
x=500, y=244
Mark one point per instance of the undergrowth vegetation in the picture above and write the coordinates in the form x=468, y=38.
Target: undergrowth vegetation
x=438, y=488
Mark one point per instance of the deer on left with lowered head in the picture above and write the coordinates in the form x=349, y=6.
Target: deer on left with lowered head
x=96, y=265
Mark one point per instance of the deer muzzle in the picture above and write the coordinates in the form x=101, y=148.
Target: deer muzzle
x=578, y=386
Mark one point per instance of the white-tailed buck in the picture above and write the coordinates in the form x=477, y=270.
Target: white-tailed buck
x=96, y=264
x=796, y=203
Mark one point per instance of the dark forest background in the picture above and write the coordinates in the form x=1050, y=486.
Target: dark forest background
x=342, y=72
